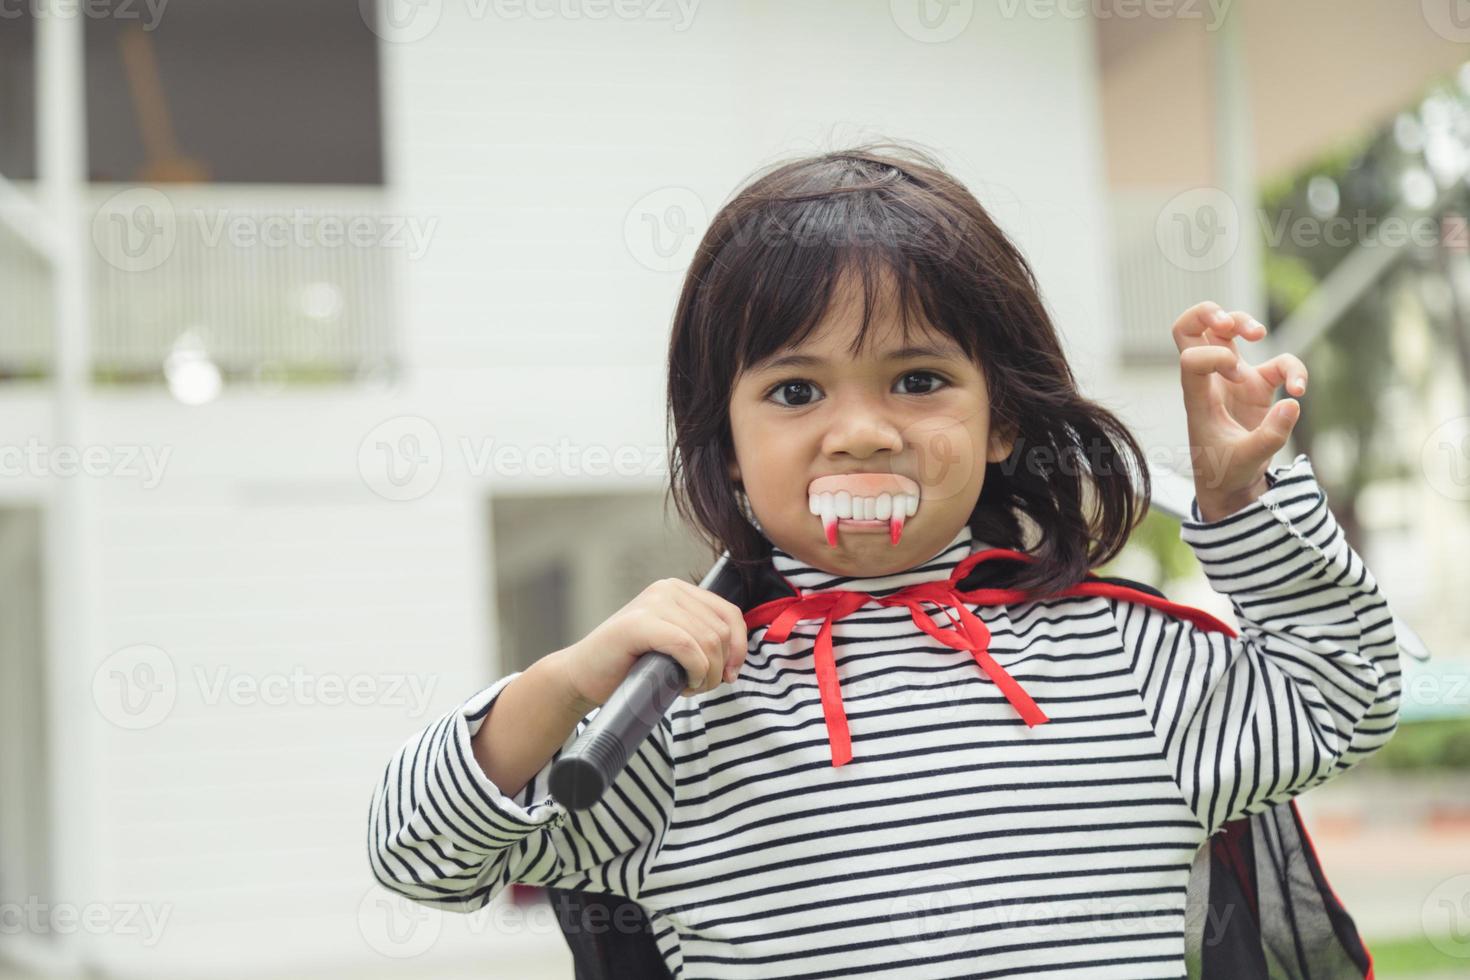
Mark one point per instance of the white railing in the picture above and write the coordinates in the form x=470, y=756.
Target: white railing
x=270, y=281
x=1159, y=269
x=26, y=318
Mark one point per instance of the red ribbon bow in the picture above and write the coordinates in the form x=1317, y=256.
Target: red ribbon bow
x=783, y=614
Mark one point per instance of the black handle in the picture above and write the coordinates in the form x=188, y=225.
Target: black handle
x=584, y=771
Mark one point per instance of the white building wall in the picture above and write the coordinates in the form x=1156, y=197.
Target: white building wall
x=529, y=320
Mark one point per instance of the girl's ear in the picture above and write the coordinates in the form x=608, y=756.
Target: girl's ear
x=1001, y=444
x=734, y=471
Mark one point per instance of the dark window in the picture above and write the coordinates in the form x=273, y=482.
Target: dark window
x=267, y=91
x=17, y=92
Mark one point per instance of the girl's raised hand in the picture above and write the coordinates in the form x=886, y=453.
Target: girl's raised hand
x=1234, y=427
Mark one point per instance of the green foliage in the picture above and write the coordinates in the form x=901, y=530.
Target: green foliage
x=1430, y=745
x=1412, y=956
x=1289, y=280
x=1158, y=535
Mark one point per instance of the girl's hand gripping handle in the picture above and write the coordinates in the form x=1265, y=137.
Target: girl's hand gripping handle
x=673, y=638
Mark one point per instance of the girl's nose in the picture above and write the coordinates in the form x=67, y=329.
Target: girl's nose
x=861, y=430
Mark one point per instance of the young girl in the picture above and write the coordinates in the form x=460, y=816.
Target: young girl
x=872, y=775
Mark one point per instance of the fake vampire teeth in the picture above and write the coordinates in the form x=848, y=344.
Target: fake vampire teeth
x=858, y=501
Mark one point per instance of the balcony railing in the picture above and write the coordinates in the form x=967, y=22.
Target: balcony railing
x=1165, y=263
x=270, y=283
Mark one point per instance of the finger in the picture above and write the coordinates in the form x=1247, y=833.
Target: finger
x=728, y=613
x=1268, y=438
x=713, y=633
x=1209, y=323
x=1189, y=329
x=676, y=641
x=692, y=644
x=739, y=638
x=1197, y=365
x=1243, y=325
x=1285, y=371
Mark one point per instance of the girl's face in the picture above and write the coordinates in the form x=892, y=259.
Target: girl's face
x=814, y=420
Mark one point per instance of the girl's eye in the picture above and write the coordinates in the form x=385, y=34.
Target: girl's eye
x=800, y=388
x=924, y=374
x=800, y=392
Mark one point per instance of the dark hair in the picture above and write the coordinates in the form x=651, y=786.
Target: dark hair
x=764, y=275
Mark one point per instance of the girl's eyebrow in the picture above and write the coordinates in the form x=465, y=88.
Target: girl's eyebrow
x=807, y=360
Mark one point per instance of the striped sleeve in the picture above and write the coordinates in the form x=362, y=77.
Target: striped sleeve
x=1308, y=689
x=441, y=833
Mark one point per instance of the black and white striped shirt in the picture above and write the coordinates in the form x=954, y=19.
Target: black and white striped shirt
x=958, y=842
